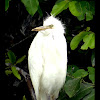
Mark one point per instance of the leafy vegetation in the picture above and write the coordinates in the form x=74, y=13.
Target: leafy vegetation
x=11, y=62
x=88, y=38
x=75, y=87
x=31, y=6
x=80, y=9
x=80, y=81
x=24, y=98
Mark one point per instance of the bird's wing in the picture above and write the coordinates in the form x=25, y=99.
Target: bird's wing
x=55, y=64
x=35, y=63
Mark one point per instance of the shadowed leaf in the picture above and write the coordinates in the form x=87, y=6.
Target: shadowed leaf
x=72, y=86
x=11, y=56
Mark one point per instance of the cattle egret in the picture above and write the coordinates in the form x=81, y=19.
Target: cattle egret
x=47, y=59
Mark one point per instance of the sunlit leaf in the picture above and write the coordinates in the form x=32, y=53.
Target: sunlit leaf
x=73, y=9
x=59, y=7
x=24, y=98
x=89, y=16
x=77, y=39
x=81, y=6
x=80, y=73
x=15, y=72
x=91, y=71
x=81, y=17
x=82, y=9
x=31, y=6
x=92, y=42
x=89, y=41
x=20, y=59
x=88, y=29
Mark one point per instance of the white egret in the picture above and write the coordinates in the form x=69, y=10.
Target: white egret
x=47, y=59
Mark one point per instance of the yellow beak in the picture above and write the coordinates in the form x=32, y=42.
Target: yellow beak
x=42, y=28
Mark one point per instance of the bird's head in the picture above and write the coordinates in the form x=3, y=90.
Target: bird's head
x=51, y=25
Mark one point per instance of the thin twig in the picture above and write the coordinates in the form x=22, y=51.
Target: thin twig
x=20, y=41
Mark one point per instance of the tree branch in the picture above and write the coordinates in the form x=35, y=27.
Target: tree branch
x=28, y=81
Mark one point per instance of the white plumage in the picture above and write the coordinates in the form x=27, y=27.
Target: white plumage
x=47, y=60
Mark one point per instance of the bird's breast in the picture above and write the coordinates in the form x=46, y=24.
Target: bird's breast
x=54, y=64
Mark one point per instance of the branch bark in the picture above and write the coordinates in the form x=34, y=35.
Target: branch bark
x=28, y=81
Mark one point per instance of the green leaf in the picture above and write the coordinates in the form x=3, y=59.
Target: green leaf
x=20, y=59
x=71, y=69
x=11, y=56
x=92, y=7
x=7, y=72
x=6, y=4
x=7, y=62
x=59, y=7
x=31, y=6
x=80, y=73
x=81, y=7
x=72, y=86
x=24, y=98
x=15, y=72
x=73, y=9
x=89, y=16
x=91, y=71
x=92, y=42
x=89, y=11
x=40, y=11
x=91, y=96
x=89, y=41
x=81, y=17
x=85, y=89
x=88, y=29
x=77, y=39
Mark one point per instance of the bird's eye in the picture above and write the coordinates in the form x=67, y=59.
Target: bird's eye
x=51, y=26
